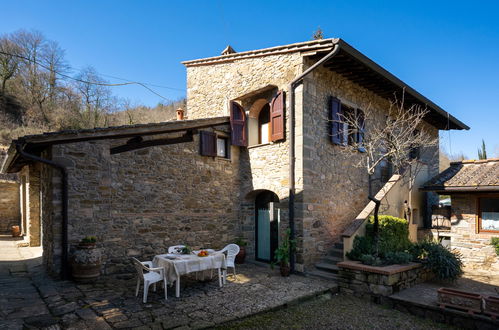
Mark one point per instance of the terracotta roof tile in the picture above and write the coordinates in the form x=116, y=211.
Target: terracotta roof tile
x=472, y=175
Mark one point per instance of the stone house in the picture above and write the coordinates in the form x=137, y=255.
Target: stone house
x=473, y=186
x=256, y=156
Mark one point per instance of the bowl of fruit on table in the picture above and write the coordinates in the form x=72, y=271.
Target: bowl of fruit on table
x=203, y=253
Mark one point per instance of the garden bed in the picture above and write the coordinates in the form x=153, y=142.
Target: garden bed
x=379, y=281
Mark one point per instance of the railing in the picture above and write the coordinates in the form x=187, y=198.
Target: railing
x=392, y=196
x=358, y=226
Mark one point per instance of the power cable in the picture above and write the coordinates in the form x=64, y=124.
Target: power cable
x=129, y=82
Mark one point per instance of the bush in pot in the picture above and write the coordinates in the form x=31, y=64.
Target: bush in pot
x=86, y=260
x=241, y=256
x=283, y=253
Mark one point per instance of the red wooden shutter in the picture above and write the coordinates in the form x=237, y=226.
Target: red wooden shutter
x=238, y=125
x=208, y=142
x=277, y=117
x=335, y=131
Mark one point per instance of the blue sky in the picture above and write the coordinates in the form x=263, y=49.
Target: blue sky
x=447, y=50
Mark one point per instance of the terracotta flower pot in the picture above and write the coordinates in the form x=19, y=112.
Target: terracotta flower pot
x=241, y=256
x=86, y=262
x=284, y=269
x=16, y=231
x=491, y=306
x=470, y=302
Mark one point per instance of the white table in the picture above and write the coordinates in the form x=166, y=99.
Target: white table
x=176, y=265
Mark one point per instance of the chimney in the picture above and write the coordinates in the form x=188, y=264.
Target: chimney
x=180, y=114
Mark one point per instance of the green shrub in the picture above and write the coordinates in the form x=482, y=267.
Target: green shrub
x=444, y=263
x=369, y=259
x=361, y=245
x=495, y=241
x=393, y=234
x=393, y=241
x=400, y=257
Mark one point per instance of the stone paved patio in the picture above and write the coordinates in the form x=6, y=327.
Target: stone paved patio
x=30, y=299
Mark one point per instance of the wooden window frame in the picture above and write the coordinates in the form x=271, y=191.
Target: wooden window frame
x=345, y=134
x=227, y=146
x=479, y=213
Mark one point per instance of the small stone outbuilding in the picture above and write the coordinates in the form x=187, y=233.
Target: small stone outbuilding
x=473, y=186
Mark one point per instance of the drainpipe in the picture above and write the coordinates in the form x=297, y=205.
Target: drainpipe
x=64, y=173
x=292, y=158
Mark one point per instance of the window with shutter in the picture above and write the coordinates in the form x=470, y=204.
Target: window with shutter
x=361, y=123
x=208, y=143
x=335, y=131
x=238, y=125
x=277, y=117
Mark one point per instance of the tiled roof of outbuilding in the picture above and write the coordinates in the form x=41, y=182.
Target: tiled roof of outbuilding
x=467, y=175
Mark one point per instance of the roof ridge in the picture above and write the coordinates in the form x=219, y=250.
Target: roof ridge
x=474, y=161
x=298, y=46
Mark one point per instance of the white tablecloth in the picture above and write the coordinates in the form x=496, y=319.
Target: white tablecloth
x=180, y=264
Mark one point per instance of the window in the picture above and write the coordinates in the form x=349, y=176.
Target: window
x=264, y=125
x=213, y=145
x=222, y=147
x=265, y=120
x=340, y=132
x=488, y=214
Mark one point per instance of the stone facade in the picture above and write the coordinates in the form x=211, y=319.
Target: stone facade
x=474, y=246
x=10, y=212
x=138, y=203
x=329, y=191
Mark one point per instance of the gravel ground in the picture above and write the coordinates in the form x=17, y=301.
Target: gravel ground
x=335, y=312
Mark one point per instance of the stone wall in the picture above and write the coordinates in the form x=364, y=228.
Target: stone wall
x=334, y=190
x=330, y=192
x=263, y=167
x=138, y=203
x=475, y=248
x=10, y=213
x=369, y=281
x=211, y=87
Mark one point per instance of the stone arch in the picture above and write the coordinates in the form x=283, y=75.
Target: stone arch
x=256, y=107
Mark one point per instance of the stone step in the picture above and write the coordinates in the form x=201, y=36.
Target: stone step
x=331, y=260
x=327, y=267
x=336, y=253
x=339, y=245
x=323, y=275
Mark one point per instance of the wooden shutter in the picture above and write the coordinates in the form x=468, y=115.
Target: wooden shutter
x=361, y=124
x=277, y=117
x=208, y=143
x=335, y=131
x=238, y=125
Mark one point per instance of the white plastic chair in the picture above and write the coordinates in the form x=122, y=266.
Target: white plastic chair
x=177, y=249
x=232, y=250
x=150, y=276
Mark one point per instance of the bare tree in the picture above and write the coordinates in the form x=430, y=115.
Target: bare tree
x=97, y=101
x=396, y=138
x=9, y=62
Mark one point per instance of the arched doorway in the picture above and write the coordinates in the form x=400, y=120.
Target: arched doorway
x=266, y=225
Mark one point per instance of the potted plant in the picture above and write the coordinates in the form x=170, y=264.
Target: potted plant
x=16, y=231
x=241, y=256
x=86, y=260
x=283, y=252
